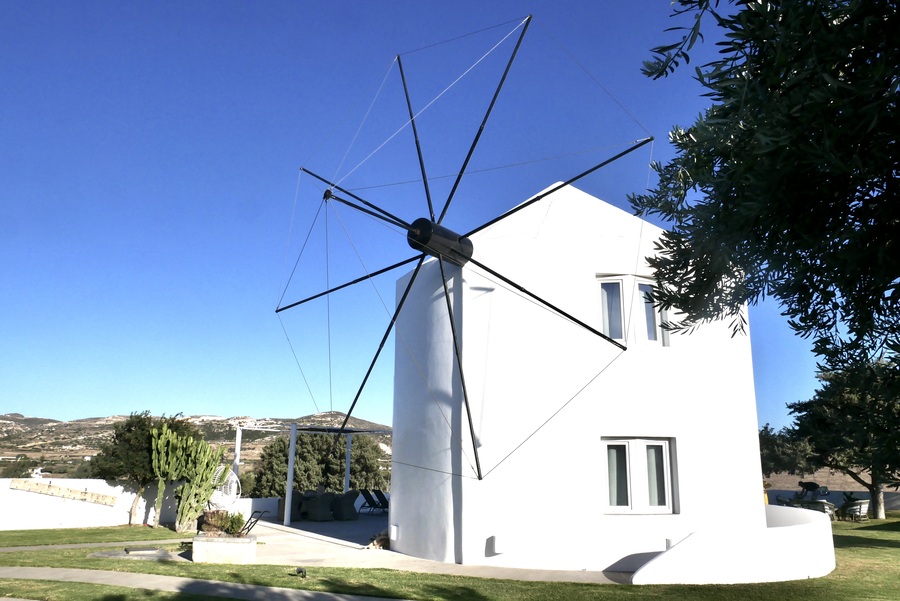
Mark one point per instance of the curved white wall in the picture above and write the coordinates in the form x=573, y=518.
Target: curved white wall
x=797, y=544
x=425, y=500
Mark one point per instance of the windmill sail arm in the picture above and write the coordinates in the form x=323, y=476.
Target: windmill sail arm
x=348, y=284
x=377, y=215
x=543, y=195
x=412, y=121
x=487, y=114
x=384, y=340
x=462, y=376
x=381, y=213
x=547, y=304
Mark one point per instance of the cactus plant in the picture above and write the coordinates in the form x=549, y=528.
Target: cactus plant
x=200, y=463
x=168, y=462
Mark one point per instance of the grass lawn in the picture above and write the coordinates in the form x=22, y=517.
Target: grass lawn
x=111, y=534
x=868, y=558
x=76, y=591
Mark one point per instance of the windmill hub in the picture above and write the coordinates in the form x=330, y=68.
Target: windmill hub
x=436, y=240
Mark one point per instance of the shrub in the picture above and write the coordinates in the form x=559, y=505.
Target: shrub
x=222, y=522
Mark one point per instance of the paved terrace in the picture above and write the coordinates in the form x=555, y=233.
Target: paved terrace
x=343, y=544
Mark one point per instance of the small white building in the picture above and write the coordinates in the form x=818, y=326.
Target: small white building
x=591, y=457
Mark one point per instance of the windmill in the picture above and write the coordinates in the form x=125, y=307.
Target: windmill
x=431, y=238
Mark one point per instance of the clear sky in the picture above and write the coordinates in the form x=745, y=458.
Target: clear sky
x=151, y=205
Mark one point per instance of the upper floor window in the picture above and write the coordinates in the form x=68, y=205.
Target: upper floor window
x=628, y=312
x=652, y=317
x=611, y=309
x=649, y=311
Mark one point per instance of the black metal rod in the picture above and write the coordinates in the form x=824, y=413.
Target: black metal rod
x=634, y=147
x=547, y=304
x=348, y=284
x=330, y=184
x=484, y=121
x=330, y=196
x=462, y=376
x=384, y=339
x=412, y=120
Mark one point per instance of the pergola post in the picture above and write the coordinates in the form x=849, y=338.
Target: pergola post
x=237, y=450
x=347, y=462
x=289, y=487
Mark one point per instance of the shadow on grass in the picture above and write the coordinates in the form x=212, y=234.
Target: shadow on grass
x=142, y=594
x=849, y=541
x=232, y=590
x=885, y=526
x=431, y=591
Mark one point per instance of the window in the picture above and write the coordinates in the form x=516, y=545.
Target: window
x=626, y=310
x=611, y=309
x=639, y=475
x=617, y=459
x=652, y=318
x=649, y=310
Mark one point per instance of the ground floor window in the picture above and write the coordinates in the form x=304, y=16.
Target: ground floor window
x=639, y=474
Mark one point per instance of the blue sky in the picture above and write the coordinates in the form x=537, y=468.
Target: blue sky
x=152, y=206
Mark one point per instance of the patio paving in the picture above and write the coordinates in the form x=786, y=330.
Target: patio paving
x=343, y=544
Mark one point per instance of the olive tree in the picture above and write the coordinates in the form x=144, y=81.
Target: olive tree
x=850, y=426
x=787, y=186
x=128, y=455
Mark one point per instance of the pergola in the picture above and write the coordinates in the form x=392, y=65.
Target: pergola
x=289, y=487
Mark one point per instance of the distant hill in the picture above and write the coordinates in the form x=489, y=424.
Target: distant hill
x=64, y=445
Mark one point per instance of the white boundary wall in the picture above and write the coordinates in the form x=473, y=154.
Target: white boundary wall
x=26, y=510
x=891, y=499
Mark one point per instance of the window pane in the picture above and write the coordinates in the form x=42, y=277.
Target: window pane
x=649, y=310
x=656, y=475
x=611, y=300
x=617, y=460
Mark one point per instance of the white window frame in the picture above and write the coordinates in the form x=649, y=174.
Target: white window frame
x=604, y=311
x=656, y=334
x=638, y=473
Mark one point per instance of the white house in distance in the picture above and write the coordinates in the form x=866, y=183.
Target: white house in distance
x=592, y=458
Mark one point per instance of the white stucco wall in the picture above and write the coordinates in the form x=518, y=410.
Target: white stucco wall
x=26, y=510
x=544, y=392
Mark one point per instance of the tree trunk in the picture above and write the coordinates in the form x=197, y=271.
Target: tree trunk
x=160, y=496
x=876, y=491
x=875, y=488
x=132, y=517
x=186, y=526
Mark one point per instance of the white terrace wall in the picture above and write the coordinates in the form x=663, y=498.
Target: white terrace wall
x=35, y=503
